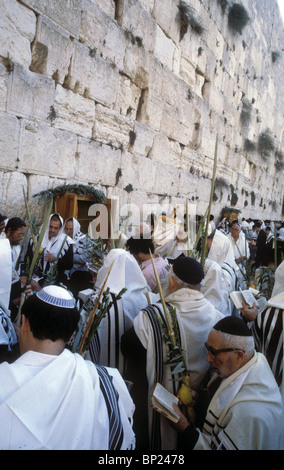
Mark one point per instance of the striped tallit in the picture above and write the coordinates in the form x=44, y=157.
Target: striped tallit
x=268, y=335
x=111, y=398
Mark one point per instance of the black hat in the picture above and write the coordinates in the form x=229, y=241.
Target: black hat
x=233, y=325
x=188, y=269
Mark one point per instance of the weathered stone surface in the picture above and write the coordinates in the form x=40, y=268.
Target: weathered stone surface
x=139, y=22
x=91, y=76
x=4, y=80
x=111, y=127
x=17, y=30
x=73, y=113
x=9, y=140
x=65, y=13
x=31, y=95
x=12, y=184
x=96, y=162
x=109, y=40
x=48, y=151
x=52, y=50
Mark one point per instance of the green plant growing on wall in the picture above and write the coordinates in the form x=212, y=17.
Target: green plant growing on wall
x=238, y=18
x=223, y=5
x=245, y=116
x=265, y=145
x=188, y=18
x=279, y=160
x=249, y=146
x=275, y=56
x=97, y=195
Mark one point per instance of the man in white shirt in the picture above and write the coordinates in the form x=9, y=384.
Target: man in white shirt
x=52, y=399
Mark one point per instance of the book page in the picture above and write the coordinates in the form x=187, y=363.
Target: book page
x=162, y=401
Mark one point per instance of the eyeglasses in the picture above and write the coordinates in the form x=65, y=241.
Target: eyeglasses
x=214, y=351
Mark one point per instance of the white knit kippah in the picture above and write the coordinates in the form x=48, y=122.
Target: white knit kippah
x=57, y=296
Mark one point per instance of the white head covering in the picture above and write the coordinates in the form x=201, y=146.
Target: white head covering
x=45, y=239
x=279, y=280
x=5, y=272
x=57, y=296
x=221, y=249
x=125, y=273
x=76, y=228
x=164, y=235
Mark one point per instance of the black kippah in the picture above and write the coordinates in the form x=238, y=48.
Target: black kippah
x=188, y=269
x=233, y=326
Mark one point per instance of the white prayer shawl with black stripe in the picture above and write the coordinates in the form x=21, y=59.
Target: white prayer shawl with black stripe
x=195, y=316
x=8, y=335
x=268, y=332
x=246, y=412
x=214, y=287
x=57, y=403
x=5, y=271
x=125, y=273
x=105, y=349
x=79, y=261
x=54, y=244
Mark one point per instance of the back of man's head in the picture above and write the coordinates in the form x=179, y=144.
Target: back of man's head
x=140, y=245
x=14, y=223
x=188, y=270
x=52, y=314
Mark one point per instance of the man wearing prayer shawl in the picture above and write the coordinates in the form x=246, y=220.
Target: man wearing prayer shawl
x=268, y=328
x=125, y=273
x=244, y=408
x=52, y=399
x=214, y=287
x=8, y=338
x=221, y=251
x=78, y=277
x=54, y=242
x=147, y=353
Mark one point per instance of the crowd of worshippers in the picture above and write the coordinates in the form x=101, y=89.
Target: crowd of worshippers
x=54, y=397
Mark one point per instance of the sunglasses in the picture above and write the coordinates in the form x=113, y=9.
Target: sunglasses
x=214, y=351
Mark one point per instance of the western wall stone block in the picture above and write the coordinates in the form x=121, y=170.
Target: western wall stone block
x=51, y=50
x=31, y=95
x=97, y=162
x=46, y=150
x=164, y=49
x=110, y=40
x=137, y=65
x=4, y=80
x=167, y=178
x=17, y=30
x=165, y=151
x=74, y=113
x=9, y=140
x=64, y=13
x=111, y=127
x=108, y=6
x=165, y=13
x=139, y=22
x=151, y=110
x=92, y=76
x=144, y=137
x=128, y=96
x=138, y=171
x=12, y=184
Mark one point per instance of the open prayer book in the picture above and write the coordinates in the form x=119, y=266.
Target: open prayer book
x=246, y=295
x=162, y=401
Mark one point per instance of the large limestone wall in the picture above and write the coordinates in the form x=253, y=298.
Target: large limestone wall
x=107, y=93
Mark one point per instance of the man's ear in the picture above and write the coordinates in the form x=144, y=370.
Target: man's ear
x=25, y=324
